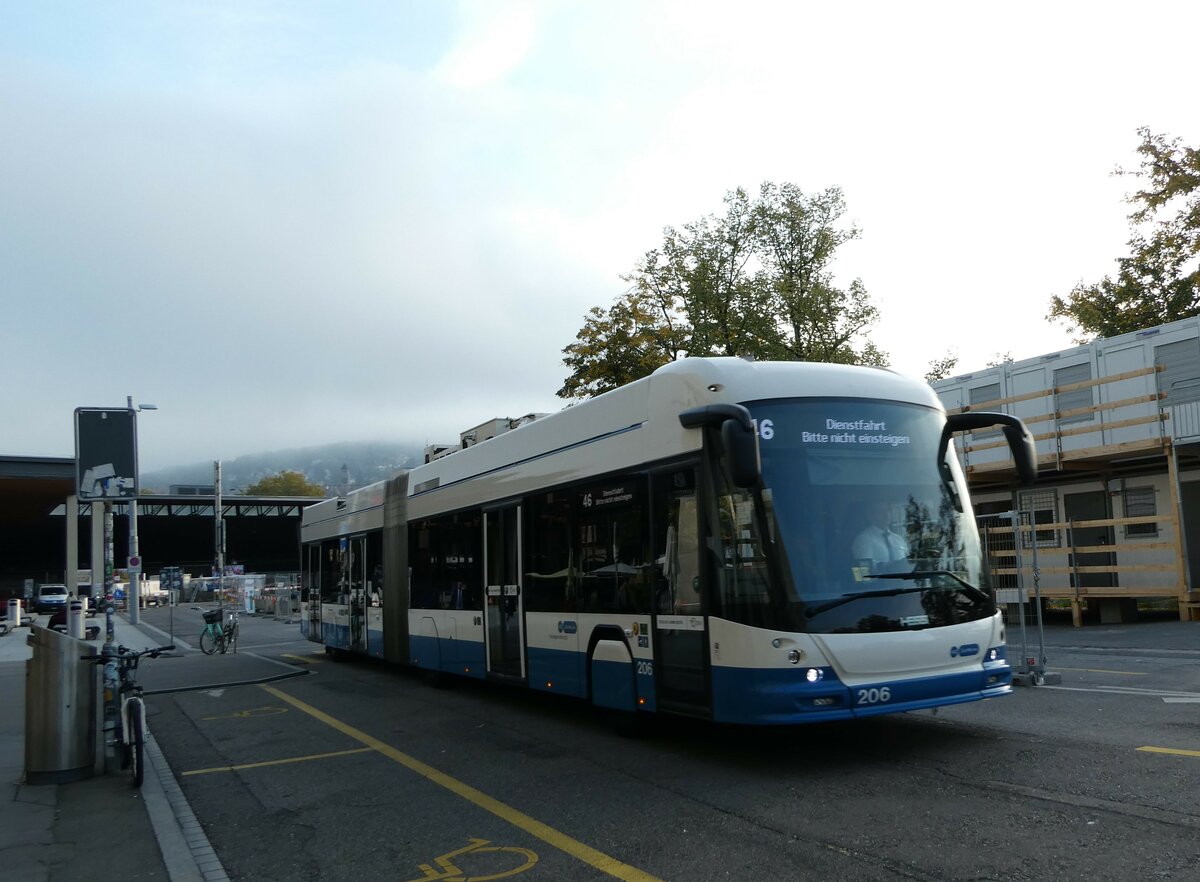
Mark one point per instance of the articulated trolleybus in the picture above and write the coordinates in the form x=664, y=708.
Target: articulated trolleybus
x=757, y=543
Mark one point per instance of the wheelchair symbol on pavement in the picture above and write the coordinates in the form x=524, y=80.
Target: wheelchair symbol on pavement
x=448, y=871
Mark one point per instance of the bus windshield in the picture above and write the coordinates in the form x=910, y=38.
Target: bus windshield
x=876, y=534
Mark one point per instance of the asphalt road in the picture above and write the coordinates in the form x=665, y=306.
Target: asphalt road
x=359, y=771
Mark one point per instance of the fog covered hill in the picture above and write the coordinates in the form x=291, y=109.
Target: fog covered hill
x=364, y=462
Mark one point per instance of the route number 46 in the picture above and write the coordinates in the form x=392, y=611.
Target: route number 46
x=874, y=696
x=765, y=429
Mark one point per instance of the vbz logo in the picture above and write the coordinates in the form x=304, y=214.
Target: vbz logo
x=965, y=650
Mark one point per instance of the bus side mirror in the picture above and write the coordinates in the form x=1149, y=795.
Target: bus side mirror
x=741, y=448
x=1020, y=441
x=739, y=437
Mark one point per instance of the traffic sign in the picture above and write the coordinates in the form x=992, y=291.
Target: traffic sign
x=105, y=453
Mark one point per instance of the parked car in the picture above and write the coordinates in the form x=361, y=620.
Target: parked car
x=50, y=598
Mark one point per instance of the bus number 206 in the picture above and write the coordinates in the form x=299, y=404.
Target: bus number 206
x=874, y=696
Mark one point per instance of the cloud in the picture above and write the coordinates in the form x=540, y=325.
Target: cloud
x=495, y=40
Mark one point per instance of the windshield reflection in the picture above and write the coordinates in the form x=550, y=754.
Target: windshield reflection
x=877, y=534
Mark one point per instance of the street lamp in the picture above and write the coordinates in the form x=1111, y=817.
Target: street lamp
x=135, y=570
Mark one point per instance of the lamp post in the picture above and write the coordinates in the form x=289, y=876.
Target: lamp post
x=135, y=561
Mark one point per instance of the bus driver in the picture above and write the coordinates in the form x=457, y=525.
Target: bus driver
x=877, y=543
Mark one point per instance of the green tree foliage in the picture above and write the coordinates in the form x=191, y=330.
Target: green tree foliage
x=755, y=281
x=286, y=483
x=797, y=236
x=940, y=368
x=1159, y=281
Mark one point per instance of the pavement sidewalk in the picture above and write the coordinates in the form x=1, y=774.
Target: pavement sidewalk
x=102, y=827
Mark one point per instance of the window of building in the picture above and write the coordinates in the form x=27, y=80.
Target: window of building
x=982, y=395
x=1044, y=506
x=1140, y=502
x=1074, y=399
x=1180, y=374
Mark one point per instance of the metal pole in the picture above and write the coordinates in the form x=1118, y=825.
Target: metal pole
x=109, y=650
x=1037, y=595
x=108, y=577
x=1022, y=597
x=219, y=534
x=135, y=570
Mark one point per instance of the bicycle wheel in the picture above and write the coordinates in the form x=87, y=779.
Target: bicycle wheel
x=137, y=743
x=207, y=644
x=231, y=637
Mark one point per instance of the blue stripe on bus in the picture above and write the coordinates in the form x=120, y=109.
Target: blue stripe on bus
x=452, y=656
x=557, y=670
x=612, y=685
x=337, y=636
x=742, y=695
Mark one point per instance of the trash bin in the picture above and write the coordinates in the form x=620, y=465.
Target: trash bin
x=60, y=709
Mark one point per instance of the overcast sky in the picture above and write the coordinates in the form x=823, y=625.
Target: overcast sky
x=294, y=223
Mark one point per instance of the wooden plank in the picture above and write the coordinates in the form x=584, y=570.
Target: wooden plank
x=1078, y=430
x=1090, y=549
x=1176, y=506
x=1069, y=593
x=1114, y=568
x=1053, y=390
x=1103, y=522
x=1094, y=453
x=1095, y=408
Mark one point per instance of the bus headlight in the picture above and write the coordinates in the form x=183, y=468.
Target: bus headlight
x=812, y=675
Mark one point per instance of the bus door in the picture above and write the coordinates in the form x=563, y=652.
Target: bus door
x=312, y=592
x=357, y=584
x=503, y=602
x=680, y=636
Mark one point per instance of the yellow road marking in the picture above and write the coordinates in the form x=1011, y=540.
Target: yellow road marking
x=268, y=711
x=1103, y=671
x=313, y=659
x=278, y=762
x=1172, y=750
x=452, y=873
x=533, y=827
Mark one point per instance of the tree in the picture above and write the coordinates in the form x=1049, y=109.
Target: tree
x=753, y=281
x=940, y=368
x=286, y=483
x=615, y=347
x=797, y=237
x=1159, y=281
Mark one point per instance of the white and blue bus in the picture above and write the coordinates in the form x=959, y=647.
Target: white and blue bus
x=748, y=542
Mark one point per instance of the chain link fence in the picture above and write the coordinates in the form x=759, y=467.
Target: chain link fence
x=1011, y=565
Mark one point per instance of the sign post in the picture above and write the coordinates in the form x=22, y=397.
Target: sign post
x=106, y=470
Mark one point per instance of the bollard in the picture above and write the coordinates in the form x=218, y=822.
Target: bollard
x=14, y=613
x=75, y=619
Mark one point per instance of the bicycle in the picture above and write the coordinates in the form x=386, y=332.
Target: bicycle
x=131, y=721
x=217, y=634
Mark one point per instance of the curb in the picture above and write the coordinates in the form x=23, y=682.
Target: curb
x=186, y=851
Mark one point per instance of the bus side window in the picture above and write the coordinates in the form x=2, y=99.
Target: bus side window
x=676, y=572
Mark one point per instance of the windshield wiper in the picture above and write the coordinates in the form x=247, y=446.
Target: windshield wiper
x=964, y=586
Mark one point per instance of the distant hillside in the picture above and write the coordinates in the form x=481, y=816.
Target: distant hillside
x=365, y=463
